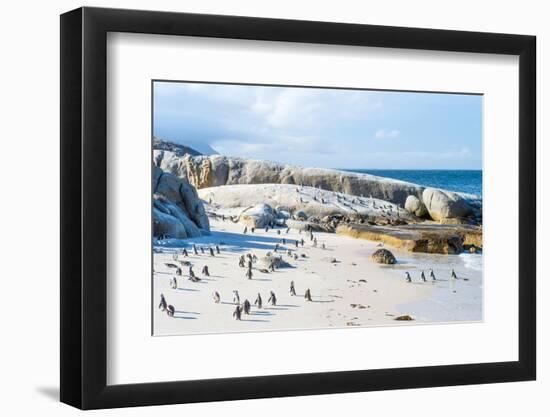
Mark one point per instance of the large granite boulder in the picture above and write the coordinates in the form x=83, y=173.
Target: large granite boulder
x=177, y=210
x=414, y=206
x=260, y=215
x=442, y=205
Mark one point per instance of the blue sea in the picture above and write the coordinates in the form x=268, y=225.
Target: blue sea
x=465, y=181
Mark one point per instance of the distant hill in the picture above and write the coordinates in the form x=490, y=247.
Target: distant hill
x=192, y=148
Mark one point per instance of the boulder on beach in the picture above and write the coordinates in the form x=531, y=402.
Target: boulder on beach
x=260, y=215
x=178, y=211
x=414, y=206
x=442, y=205
x=270, y=259
x=383, y=256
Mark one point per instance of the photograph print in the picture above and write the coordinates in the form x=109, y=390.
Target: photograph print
x=294, y=208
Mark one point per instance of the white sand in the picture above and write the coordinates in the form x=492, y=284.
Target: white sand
x=379, y=293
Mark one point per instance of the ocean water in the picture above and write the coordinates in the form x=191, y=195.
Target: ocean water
x=465, y=181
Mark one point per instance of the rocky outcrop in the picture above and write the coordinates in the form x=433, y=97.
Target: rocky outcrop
x=443, y=205
x=177, y=210
x=215, y=170
x=428, y=238
x=415, y=206
x=260, y=215
x=302, y=203
x=383, y=256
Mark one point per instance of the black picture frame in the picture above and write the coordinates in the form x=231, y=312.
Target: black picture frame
x=84, y=207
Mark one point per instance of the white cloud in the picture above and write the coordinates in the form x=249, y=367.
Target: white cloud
x=387, y=134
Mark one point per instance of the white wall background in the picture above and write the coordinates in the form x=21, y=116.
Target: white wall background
x=29, y=365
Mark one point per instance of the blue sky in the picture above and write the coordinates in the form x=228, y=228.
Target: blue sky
x=329, y=128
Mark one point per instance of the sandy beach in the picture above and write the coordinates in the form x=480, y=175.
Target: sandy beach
x=351, y=292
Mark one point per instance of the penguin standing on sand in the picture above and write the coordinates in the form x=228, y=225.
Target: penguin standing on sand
x=173, y=283
x=423, y=276
x=211, y=251
x=191, y=272
x=178, y=271
x=249, y=273
x=276, y=247
x=202, y=250
x=432, y=275
x=258, y=301
x=237, y=313
x=307, y=295
x=249, y=264
x=408, y=276
x=185, y=253
x=195, y=249
x=453, y=274
x=170, y=311
x=284, y=241
x=272, y=298
x=205, y=271
x=302, y=242
x=217, y=249
x=245, y=230
x=236, y=298
x=246, y=307
x=216, y=297
x=252, y=229
x=292, y=289
x=267, y=229
x=241, y=261
x=254, y=258
x=163, y=305
x=296, y=243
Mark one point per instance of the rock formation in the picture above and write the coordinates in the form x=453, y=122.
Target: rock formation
x=177, y=210
x=216, y=170
x=415, y=206
x=383, y=256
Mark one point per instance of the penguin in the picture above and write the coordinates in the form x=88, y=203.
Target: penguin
x=185, y=253
x=236, y=298
x=432, y=275
x=289, y=253
x=211, y=251
x=205, y=271
x=170, y=310
x=314, y=242
x=295, y=256
x=249, y=273
x=409, y=279
x=271, y=267
x=267, y=229
x=178, y=271
x=202, y=250
x=195, y=249
x=217, y=249
x=292, y=290
x=241, y=261
x=237, y=313
x=278, y=231
x=252, y=229
x=302, y=242
x=272, y=298
x=307, y=295
x=249, y=264
x=246, y=307
x=423, y=276
x=287, y=230
x=296, y=243
x=284, y=241
x=276, y=247
x=163, y=305
x=254, y=258
x=216, y=297
x=191, y=272
x=245, y=230
x=323, y=246
x=258, y=301
x=453, y=274
x=173, y=283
